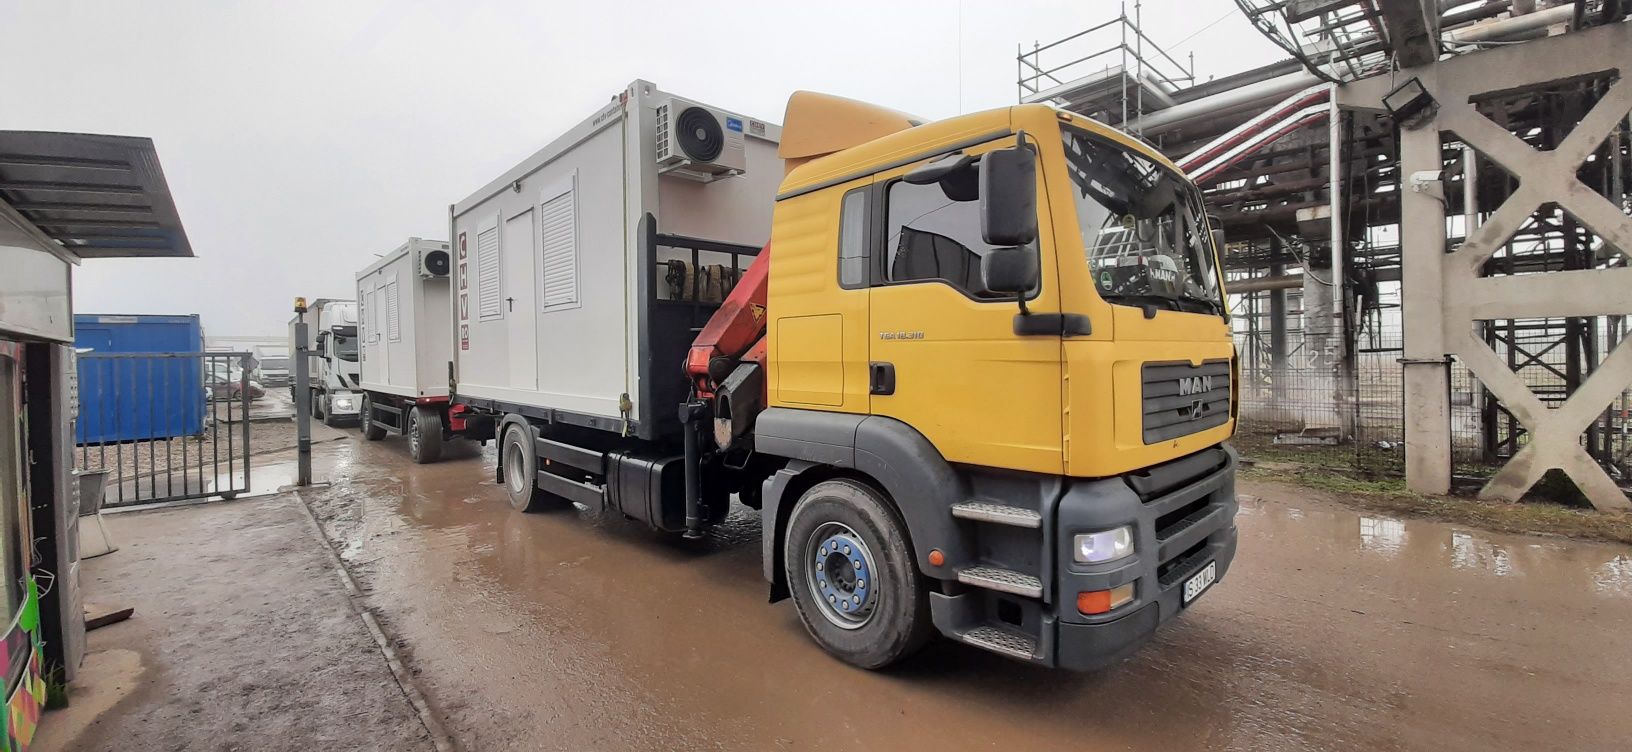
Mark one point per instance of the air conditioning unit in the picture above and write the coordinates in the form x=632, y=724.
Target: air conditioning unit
x=434, y=262
x=699, y=143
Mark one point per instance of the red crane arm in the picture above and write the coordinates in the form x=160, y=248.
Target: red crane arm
x=733, y=330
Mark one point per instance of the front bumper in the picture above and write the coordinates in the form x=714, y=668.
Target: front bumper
x=1183, y=517
x=1092, y=646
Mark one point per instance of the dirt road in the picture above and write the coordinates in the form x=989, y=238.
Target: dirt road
x=1333, y=630
x=242, y=639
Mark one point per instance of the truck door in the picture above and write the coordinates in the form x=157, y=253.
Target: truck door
x=521, y=315
x=944, y=355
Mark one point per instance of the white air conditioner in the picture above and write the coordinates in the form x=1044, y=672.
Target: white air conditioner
x=699, y=143
x=433, y=262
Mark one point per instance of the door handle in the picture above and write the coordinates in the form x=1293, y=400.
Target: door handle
x=881, y=377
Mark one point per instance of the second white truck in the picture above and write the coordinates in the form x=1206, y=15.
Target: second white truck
x=406, y=337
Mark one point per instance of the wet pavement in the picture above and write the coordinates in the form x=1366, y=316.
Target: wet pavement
x=1334, y=629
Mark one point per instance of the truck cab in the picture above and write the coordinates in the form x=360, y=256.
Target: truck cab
x=333, y=360
x=1046, y=411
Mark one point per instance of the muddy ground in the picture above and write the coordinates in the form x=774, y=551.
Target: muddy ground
x=1335, y=629
x=243, y=639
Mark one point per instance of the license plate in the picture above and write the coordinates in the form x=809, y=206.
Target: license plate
x=1199, y=583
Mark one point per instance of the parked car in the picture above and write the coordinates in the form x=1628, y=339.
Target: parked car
x=229, y=384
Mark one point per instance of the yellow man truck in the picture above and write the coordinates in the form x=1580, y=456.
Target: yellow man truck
x=978, y=382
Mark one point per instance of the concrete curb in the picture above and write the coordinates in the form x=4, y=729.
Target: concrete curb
x=443, y=741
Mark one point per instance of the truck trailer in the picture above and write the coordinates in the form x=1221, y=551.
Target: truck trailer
x=984, y=389
x=331, y=359
x=406, y=336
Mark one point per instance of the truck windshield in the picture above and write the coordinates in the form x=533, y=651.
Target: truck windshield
x=345, y=348
x=275, y=364
x=1142, y=227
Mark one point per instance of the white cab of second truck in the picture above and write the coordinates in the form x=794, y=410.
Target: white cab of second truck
x=332, y=355
x=406, y=337
x=551, y=265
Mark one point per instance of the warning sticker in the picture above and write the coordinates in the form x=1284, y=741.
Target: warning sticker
x=464, y=336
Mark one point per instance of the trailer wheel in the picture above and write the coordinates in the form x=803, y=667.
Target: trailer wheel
x=850, y=568
x=424, y=435
x=365, y=421
x=520, y=466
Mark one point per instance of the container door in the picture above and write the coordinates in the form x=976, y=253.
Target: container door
x=521, y=316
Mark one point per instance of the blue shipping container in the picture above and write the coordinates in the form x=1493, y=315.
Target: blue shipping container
x=137, y=399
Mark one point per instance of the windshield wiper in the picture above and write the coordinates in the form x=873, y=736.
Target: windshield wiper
x=1167, y=301
x=1163, y=301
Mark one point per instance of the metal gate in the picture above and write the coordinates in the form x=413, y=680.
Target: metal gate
x=165, y=426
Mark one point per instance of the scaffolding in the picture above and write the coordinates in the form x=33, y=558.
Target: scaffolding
x=1107, y=71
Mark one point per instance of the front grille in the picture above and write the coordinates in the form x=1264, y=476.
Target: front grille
x=1179, y=567
x=1181, y=399
x=1178, y=520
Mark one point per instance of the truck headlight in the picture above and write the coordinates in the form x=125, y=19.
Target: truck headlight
x=1103, y=546
x=343, y=403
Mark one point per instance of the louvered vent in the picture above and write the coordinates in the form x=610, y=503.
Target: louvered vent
x=393, y=318
x=488, y=290
x=558, y=232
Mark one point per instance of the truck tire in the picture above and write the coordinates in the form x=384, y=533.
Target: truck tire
x=520, y=466
x=365, y=421
x=316, y=405
x=865, y=601
x=424, y=435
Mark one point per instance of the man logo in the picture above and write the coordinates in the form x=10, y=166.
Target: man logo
x=1197, y=409
x=1195, y=385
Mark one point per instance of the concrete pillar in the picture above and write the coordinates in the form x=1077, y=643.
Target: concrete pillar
x=1426, y=370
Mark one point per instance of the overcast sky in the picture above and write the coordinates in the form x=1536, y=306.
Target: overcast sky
x=302, y=138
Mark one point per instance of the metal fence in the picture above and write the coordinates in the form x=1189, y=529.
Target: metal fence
x=165, y=426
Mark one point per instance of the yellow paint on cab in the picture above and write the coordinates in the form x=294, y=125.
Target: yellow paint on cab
x=980, y=393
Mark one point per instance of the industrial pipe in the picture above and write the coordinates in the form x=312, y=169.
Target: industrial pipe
x=1513, y=27
x=1260, y=284
x=1225, y=102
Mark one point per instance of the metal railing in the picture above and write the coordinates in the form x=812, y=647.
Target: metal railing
x=165, y=426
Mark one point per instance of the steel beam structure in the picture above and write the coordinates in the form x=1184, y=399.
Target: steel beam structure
x=1448, y=295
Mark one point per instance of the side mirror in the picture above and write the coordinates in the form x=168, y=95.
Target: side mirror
x=322, y=341
x=1008, y=197
x=1011, y=270
x=1218, y=242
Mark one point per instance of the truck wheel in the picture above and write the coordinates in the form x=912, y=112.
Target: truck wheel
x=424, y=435
x=365, y=421
x=521, y=471
x=850, y=568
x=316, y=404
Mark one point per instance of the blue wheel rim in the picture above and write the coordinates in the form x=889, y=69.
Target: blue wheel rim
x=840, y=575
